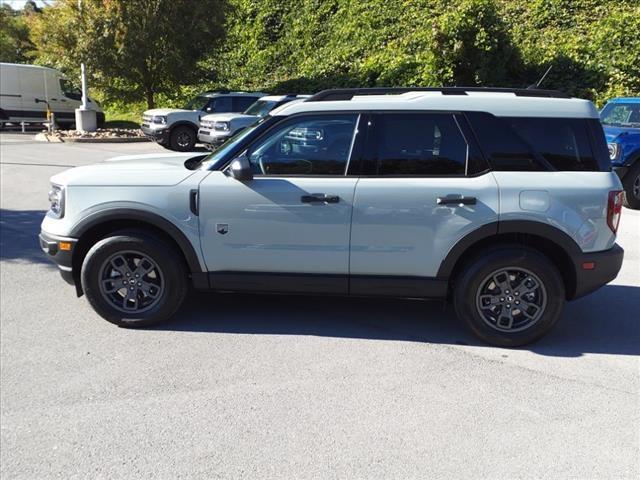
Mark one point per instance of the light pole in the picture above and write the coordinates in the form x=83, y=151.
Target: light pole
x=86, y=120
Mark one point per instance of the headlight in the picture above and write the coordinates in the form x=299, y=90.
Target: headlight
x=221, y=126
x=56, y=199
x=614, y=149
x=160, y=119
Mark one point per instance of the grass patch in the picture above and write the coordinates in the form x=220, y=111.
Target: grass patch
x=124, y=116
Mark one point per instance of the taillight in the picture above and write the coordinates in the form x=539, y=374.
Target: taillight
x=614, y=209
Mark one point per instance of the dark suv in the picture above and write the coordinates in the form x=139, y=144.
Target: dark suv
x=621, y=120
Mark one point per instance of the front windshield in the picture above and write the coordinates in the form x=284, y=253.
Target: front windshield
x=621, y=114
x=197, y=103
x=212, y=160
x=260, y=108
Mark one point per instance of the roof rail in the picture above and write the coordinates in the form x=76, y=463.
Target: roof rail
x=349, y=93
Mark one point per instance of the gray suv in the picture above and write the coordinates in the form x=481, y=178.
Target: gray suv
x=501, y=201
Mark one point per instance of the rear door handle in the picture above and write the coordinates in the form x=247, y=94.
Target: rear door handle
x=319, y=198
x=456, y=200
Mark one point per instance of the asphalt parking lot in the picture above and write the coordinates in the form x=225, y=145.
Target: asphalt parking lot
x=242, y=386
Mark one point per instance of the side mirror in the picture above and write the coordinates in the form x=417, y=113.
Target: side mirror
x=240, y=169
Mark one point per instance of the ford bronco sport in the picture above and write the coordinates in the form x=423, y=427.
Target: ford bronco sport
x=621, y=120
x=501, y=200
x=216, y=128
x=177, y=128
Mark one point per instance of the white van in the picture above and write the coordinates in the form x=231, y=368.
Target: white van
x=26, y=90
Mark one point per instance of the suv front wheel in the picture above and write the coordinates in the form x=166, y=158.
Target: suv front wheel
x=134, y=279
x=182, y=138
x=509, y=296
x=631, y=183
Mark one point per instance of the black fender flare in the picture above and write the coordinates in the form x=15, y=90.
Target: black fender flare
x=186, y=123
x=532, y=227
x=128, y=214
x=633, y=159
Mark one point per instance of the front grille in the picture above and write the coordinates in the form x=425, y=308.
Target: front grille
x=146, y=118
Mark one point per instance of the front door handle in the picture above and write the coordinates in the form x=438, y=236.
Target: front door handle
x=319, y=198
x=456, y=200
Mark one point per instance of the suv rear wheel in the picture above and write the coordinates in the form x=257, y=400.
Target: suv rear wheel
x=182, y=138
x=509, y=296
x=134, y=279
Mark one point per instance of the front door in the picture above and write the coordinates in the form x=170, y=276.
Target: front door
x=288, y=228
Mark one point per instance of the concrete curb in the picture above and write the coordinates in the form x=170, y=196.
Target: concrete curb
x=45, y=137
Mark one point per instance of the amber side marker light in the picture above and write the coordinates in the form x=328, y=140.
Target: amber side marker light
x=64, y=246
x=589, y=266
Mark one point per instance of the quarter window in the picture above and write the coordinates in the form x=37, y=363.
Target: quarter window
x=318, y=145
x=563, y=142
x=418, y=144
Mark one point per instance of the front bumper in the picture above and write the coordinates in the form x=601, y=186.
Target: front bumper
x=160, y=135
x=212, y=138
x=60, y=251
x=594, y=270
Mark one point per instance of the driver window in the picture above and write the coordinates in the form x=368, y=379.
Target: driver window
x=317, y=145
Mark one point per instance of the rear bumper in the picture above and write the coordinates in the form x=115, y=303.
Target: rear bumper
x=605, y=267
x=159, y=135
x=50, y=245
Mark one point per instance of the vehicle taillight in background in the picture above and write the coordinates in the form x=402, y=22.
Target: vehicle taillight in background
x=614, y=209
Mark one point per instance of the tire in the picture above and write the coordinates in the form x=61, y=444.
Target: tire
x=631, y=185
x=182, y=139
x=476, y=287
x=158, y=293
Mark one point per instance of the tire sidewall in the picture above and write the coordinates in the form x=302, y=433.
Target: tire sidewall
x=173, y=138
x=630, y=200
x=470, y=280
x=173, y=273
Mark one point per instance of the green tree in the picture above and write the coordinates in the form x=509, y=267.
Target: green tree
x=134, y=49
x=15, y=46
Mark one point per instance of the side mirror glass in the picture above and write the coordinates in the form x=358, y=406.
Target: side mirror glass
x=240, y=169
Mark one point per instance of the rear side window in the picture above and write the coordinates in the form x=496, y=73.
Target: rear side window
x=505, y=150
x=417, y=144
x=240, y=104
x=563, y=142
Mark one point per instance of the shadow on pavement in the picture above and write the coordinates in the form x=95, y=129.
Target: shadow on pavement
x=19, y=231
x=605, y=322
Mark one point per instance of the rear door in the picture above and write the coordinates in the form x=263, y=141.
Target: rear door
x=423, y=187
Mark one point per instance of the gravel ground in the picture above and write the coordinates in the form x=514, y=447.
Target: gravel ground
x=242, y=386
